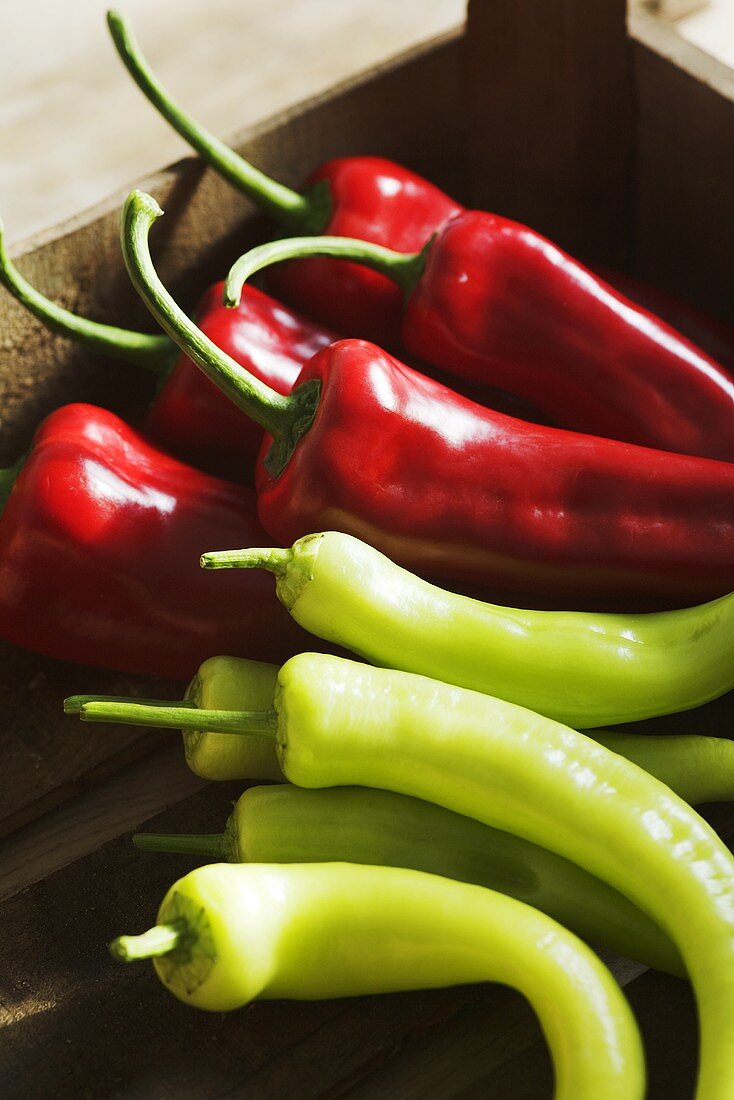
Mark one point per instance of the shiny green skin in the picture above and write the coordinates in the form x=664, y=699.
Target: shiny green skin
x=286, y=824
x=344, y=724
x=581, y=668
x=231, y=683
x=316, y=931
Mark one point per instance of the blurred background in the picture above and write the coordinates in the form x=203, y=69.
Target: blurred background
x=73, y=127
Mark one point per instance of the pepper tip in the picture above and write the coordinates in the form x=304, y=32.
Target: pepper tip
x=141, y=201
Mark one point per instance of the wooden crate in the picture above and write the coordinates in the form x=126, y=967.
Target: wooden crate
x=615, y=140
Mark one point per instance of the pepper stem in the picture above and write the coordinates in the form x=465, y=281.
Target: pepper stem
x=74, y=703
x=156, y=353
x=307, y=213
x=253, y=723
x=287, y=418
x=157, y=941
x=277, y=561
x=202, y=844
x=404, y=268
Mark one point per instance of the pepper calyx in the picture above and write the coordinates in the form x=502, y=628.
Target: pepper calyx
x=8, y=478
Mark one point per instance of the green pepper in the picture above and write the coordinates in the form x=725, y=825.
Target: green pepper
x=222, y=685
x=582, y=668
x=228, y=934
x=338, y=723
x=697, y=767
x=284, y=824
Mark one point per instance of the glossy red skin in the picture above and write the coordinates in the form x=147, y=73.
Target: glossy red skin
x=375, y=200
x=99, y=556
x=452, y=489
x=709, y=333
x=500, y=303
x=193, y=419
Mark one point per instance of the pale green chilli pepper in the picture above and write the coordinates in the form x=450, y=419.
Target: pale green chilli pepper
x=227, y=934
x=585, y=669
x=285, y=824
x=696, y=767
x=338, y=723
x=222, y=686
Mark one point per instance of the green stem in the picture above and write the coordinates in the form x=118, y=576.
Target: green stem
x=287, y=418
x=201, y=844
x=307, y=213
x=404, y=268
x=156, y=353
x=8, y=478
x=256, y=558
x=254, y=723
x=74, y=703
x=157, y=941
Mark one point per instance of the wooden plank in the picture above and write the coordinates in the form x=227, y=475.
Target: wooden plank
x=399, y=109
x=550, y=105
x=685, y=190
x=112, y=805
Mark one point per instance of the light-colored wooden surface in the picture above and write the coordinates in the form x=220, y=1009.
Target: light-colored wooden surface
x=73, y=127
x=711, y=26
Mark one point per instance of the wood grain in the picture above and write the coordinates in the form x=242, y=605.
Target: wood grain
x=73, y=128
x=550, y=103
x=685, y=174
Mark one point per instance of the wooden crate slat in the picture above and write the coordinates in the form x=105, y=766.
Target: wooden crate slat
x=550, y=106
x=685, y=172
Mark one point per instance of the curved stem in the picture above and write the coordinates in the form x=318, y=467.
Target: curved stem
x=287, y=418
x=201, y=844
x=404, y=268
x=8, y=478
x=302, y=213
x=256, y=558
x=156, y=353
x=157, y=941
x=254, y=723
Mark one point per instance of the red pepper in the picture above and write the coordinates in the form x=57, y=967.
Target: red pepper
x=713, y=335
x=530, y=319
x=188, y=415
x=368, y=197
x=100, y=536
x=490, y=300
x=367, y=445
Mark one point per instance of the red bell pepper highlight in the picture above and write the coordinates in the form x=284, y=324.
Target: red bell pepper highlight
x=100, y=536
x=366, y=445
x=188, y=415
x=491, y=300
x=348, y=196
x=712, y=334
x=531, y=320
